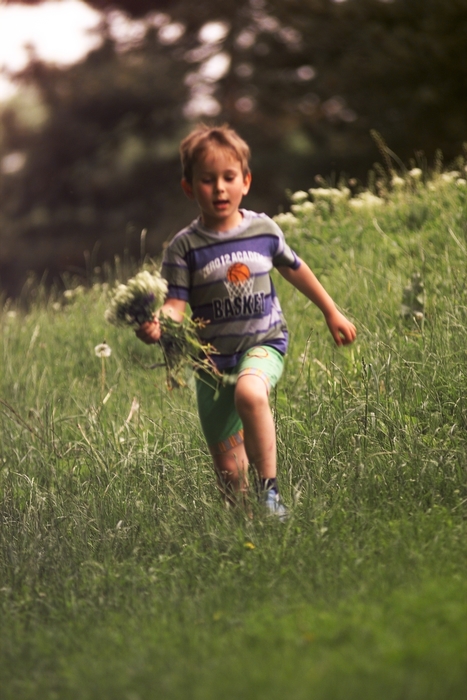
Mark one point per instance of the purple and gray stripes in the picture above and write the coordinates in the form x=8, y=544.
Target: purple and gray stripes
x=240, y=315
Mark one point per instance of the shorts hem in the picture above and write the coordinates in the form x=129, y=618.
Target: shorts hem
x=256, y=372
x=225, y=445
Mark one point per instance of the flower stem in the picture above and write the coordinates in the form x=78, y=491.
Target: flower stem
x=102, y=377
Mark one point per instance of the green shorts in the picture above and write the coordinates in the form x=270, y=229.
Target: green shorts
x=220, y=421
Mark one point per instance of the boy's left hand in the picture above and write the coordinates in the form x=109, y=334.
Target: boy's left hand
x=342, y=330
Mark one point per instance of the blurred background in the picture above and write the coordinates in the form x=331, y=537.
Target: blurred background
x=96, y=95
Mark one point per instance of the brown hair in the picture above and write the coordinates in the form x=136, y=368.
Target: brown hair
x=202, y=137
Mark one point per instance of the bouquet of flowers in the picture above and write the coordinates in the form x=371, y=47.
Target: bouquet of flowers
x=137, y=301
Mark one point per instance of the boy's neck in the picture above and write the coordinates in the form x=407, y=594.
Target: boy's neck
x=223, y=227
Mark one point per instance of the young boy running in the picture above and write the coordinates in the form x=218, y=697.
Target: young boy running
x=220, y=266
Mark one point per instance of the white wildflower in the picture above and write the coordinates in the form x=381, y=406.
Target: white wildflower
x=450, y=176
x=102, y=350
x=286, y=219
x=416, y=173
x=357, y=203
x=145, y=282
x=366, y=200
x=320, y=193
x=461, y=182
x=299, y=197
x=332, y=195
x=337, y=195
x=304, y=208
x=344, y=192
x=397, y=182
x=135, y=302
x=70, y=294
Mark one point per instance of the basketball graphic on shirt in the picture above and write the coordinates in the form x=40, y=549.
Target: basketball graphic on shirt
x=239, y=281
x=238, y=273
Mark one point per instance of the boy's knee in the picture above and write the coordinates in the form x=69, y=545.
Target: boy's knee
x=251, y=395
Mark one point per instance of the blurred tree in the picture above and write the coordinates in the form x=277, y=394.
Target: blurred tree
x=313, y=77
x=305, y=81
x=97, y=164
x=397, y=67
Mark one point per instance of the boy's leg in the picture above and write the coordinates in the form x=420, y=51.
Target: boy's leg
x=252, y=404
x=231, y=469
x=223, y=431
x=238, y=425
x=260, y=370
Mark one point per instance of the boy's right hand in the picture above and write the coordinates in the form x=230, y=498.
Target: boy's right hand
x=149, y=332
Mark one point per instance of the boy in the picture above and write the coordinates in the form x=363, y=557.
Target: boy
x=220, y=265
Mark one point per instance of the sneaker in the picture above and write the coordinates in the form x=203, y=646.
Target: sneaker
x=273, y=505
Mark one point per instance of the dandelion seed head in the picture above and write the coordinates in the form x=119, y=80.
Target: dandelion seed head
x=102, y=350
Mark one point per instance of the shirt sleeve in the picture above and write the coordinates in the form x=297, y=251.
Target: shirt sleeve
x=284, y=256
x=176, y=272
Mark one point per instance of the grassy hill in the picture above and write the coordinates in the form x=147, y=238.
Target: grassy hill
x=122, y=576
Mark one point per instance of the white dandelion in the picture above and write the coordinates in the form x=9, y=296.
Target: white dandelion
x=103, y=350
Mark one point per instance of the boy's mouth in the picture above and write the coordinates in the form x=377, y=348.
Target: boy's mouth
x=221, y=202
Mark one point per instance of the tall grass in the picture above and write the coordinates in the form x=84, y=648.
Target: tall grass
x=121, y=573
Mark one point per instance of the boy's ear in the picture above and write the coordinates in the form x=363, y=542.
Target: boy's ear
x=246, y=184
x=187, y=188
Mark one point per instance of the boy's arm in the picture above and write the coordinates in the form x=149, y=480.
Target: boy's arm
x=150, y=332
x=342, y=330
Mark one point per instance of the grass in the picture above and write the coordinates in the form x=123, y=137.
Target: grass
x=121, y=574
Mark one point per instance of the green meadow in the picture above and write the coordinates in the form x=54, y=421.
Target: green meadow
x=122, y=574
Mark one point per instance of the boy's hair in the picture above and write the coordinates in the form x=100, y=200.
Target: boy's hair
x=203, y=137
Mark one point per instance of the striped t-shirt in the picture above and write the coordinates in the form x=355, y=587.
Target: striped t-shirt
x=224, y=276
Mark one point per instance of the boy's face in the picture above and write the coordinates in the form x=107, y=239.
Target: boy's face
x=218, y=187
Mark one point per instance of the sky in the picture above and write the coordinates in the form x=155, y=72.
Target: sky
x=61, y=32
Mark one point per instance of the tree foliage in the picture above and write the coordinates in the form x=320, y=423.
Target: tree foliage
x=99, y=165
x=305, y=81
